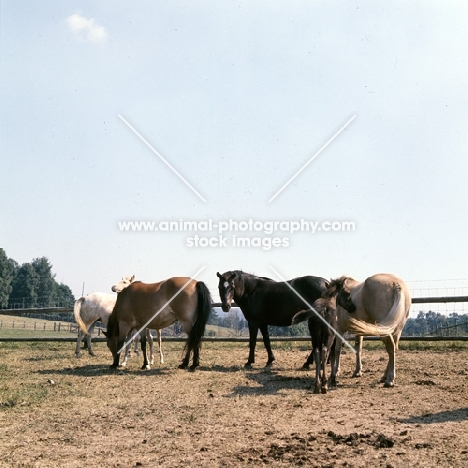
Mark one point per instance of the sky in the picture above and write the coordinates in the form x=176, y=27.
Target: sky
x=236, y=97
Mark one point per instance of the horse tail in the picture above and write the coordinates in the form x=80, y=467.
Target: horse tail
x=202, y=312
x=301, y=316
x=77, y=313
x=389, y=323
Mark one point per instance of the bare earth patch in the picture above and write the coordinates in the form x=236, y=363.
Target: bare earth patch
x=56, y=410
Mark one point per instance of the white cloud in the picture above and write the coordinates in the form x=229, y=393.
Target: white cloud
x=87, y=28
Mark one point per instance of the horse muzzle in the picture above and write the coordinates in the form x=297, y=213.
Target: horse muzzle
x=226, y=307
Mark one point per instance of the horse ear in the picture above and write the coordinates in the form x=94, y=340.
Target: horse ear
x=132, y=278
x=231, y=277
x=218, y=275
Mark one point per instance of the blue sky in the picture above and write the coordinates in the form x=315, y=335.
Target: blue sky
x=237, y=96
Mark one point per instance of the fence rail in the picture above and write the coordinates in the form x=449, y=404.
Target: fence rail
x=70, y=326
x=233, y=339
x=63, y=310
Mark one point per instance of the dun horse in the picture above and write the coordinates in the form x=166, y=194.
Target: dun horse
x=264, y=302
x=159, y=305
x=378, y=306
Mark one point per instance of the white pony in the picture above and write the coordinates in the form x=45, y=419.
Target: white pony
x=98, y=306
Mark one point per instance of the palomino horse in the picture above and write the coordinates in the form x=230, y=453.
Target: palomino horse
x=157, y=306
x=264, y=302
x=98, y=306
x=378, y=306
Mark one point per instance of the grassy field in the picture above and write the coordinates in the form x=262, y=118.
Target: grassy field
x=56, y=410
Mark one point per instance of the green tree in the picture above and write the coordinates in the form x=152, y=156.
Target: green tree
x=7, y=274
x=64, y=296
x=24, y=287
x=47, y=286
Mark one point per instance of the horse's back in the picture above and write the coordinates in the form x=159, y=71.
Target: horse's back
x=278, y=302
x=98, y=301
x=144, y=299
x=381, y=290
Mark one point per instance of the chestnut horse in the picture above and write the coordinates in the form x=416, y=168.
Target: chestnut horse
x=98, y=307
x=156, y=306
x=378, y=306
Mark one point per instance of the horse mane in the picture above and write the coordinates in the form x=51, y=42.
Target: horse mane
x=335, y=286
x=251, y=275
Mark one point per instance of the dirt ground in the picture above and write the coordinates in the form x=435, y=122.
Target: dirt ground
x=56, y=410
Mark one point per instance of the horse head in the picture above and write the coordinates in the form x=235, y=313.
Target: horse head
x=123, y=283
x=339, y=289
x=226, y=289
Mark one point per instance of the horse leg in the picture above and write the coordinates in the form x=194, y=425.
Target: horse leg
x=116, y=355
x=310, y=360
x=146, y=365
x=389, y=375
x=78, y=343
x=253, y=331
x=318, y=366
x=316, y=345
x=196, y=358
x=323, y=369
x=336, y=361
x=161, y=356
x=149, y=339
x=135, y=348
x=266, y=342
x=127, y=354
x=358, y=370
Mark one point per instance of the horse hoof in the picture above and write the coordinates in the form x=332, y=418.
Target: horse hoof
x=389, y=384
x=305, y=366
x=324, y=390
x=182, y=366
x=145, y=367
x=316, y=391
x=357, y=374
x=193, y=368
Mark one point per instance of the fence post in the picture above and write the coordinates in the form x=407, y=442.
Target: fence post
x=55, y=326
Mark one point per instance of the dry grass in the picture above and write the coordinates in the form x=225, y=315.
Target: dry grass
x=59, y=411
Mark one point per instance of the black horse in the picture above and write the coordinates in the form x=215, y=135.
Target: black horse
x=264, y=302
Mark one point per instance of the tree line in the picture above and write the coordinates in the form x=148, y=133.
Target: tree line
x=426, y=323
x=31, y=285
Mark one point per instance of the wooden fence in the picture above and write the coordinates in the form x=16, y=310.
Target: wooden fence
x=71, y=327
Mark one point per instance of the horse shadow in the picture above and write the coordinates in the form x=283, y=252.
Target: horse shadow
x=96, y=370
x=270, y=382
x=456, y=415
